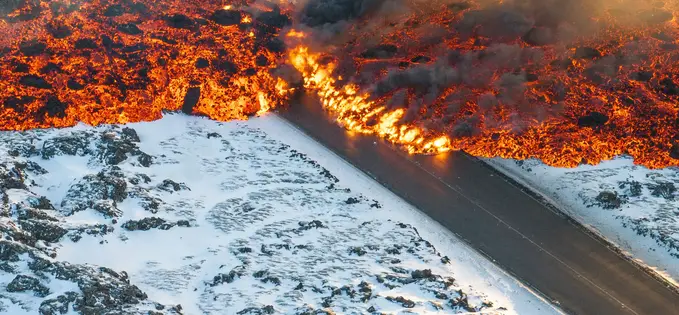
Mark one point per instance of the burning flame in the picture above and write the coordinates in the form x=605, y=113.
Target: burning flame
x=354, y=110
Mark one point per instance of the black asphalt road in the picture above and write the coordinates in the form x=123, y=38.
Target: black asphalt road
x=536, y=244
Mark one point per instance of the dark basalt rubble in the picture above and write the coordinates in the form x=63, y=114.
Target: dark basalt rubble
x=33, y=229
x=30, y=227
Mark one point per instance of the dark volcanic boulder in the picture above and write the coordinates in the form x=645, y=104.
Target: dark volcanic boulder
x=180, y=21
x=53, y=107
x=586, y=53
x=226, y=17
x=674, y=151
x=34, y=81
x=593, y=119
x=146, y=224
x=85, y=43
x=22, y=283
x=43, y=230
x=32, y=48
x=74, y=144
x=129, y=28
x=114, y=10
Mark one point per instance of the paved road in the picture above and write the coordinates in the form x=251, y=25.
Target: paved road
x=523, y=236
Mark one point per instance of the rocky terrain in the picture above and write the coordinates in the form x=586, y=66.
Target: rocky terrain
x=634, y=207
x=190, y=216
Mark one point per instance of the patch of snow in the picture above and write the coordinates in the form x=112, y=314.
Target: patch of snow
x=228, y=218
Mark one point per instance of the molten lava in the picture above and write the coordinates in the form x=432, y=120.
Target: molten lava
x=99, y=61
x=566, y=82
x=495, y=92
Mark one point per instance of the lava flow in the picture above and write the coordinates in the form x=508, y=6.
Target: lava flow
x=63, y=62
x=568, y=82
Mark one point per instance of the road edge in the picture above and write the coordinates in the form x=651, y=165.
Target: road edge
x=539, y=294
x=541, y=197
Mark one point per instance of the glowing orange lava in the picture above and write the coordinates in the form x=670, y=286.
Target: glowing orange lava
x=116, y=62
x=487, y=77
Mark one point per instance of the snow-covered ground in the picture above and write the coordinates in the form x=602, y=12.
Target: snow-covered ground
x=633, y=207
x=221, y=218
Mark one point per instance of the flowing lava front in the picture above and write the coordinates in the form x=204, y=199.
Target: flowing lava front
x=63, y=62
x=567, y=82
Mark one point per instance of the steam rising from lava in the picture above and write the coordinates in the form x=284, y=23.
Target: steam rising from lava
x=565, y=81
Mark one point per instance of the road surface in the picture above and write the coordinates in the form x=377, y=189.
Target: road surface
x=536, y=244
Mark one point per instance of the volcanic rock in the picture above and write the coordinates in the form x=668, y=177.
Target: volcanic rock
x=21, y=67
x=43, y=230
x=144, y=159
x=593, y=119
x=402, y=301
x=114, y=10
x=74, y=85
x=32, y=48
x=257, y=311
x=191, y=99
x=275, y=44
x=17, y=102
x=35, y=81
x=225, y=66
x=202, y=63
x=22, y=283
x=226, y=17
x=85, y=43
x=668, y=87
x=75, y=144
x=380, y=52
x=180, y=21
x=261, y=61
x=664, y=189
x=53, y=107
x=586, y=53
x=109, y=184
x=129, y=28
x=674, y=151
x=130, y=134
x=643, y=76
x=51, y=67
x=420, y=59
x=146, y=224
x=170, y=186
x=7, y=6
x=58, y=31
x=273, y=19
x=421, y=274
x=609, y=200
